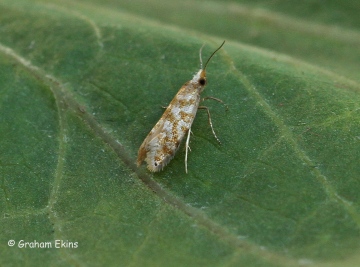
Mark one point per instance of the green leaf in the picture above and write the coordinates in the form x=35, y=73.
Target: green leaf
x=83, y=82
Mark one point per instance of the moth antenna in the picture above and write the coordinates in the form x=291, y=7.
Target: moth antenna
x=211, y=55
x=201, y=63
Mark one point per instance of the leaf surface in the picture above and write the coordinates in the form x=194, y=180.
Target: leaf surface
x=83, y=82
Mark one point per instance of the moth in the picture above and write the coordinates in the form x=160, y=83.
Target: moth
x=161, y=144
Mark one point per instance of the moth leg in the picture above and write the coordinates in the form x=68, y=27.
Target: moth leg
x=216, y=99
x=209, y=117
x=187, y=147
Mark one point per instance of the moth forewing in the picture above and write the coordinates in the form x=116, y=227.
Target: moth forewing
x=144, y=148
x=161, y=144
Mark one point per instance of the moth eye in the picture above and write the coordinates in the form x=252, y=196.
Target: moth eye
x=155, y=164
x=202, y=81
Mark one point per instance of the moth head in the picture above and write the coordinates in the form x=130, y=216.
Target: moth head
x=202, y=79
x=201, y=76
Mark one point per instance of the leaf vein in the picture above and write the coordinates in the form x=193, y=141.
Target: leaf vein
x=287, y=134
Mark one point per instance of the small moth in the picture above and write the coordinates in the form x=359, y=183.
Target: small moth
x=161, y=144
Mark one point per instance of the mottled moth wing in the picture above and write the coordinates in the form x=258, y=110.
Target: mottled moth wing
x=161, y=144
